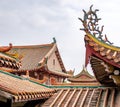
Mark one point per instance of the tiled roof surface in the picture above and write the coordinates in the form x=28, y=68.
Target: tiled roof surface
x=84, y=97
x=21, y=89
x=34, y=54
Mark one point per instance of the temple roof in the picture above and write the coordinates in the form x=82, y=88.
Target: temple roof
x=31, y=53
x=82, y=76
x=84, y=97
x=20, y=89
x=35, y=56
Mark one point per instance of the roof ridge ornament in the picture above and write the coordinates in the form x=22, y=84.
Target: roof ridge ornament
x=6, y=48
x=54, y=40
x=90, y=24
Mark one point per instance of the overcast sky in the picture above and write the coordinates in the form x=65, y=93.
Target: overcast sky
x=30, y=22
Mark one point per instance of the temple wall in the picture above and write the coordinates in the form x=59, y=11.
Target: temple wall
x=53, y=63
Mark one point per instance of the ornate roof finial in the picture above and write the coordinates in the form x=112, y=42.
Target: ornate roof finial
x=84, y=68
x=54, y=40
x=6, y=48
x=90, y=24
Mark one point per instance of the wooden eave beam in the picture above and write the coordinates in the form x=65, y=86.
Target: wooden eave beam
x=103, y=58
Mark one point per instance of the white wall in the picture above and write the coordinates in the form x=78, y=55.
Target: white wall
x=52, y=67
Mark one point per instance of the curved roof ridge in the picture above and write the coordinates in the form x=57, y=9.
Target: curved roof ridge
x=83, y=72
x=96, y=40
x=30, y=46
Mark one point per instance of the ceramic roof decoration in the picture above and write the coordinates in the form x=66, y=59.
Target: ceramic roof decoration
x=5, y=48
x=7, y=61
x=103, y=55
x=83, y=76
x=91, y=26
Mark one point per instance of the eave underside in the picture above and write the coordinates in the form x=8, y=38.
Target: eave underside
x=99, y=70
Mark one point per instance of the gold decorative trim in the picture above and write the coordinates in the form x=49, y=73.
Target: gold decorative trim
x=103, y=44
